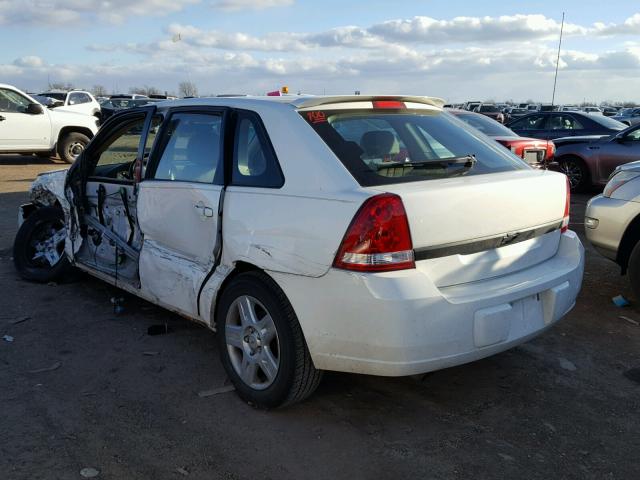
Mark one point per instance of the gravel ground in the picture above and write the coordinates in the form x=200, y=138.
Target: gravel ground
x=85, y=388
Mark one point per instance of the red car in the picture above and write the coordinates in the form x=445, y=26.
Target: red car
x=537, y=153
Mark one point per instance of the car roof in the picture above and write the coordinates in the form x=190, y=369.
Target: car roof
x=298, y=101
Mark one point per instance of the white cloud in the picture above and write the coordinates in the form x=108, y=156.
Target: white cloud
x=67, y=12
x=631, y=26
x=235, y=40
x=482, y=57
x=230, y=5
x=30, y=61
x=471, y=29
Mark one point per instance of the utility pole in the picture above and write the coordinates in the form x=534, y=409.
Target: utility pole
x=555, y=80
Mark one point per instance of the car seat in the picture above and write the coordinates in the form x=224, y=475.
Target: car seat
x=202, y=152
x=379, y=145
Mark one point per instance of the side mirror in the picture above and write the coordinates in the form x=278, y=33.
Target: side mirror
x=34, y=109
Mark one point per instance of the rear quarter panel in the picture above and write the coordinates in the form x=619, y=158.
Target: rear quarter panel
x=296, y=228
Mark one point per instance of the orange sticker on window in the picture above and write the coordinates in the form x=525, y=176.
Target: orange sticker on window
x=316, y=117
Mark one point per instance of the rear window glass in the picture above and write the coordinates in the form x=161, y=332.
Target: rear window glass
x=608, y=122
x=381, y=148
x=486, y=125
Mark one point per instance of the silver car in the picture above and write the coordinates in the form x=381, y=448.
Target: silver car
x=630, y=116
x=612, y=221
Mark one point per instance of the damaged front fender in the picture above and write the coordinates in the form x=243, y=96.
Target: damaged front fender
x=48, y=190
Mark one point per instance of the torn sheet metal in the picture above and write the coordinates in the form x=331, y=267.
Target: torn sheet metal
x=48, y=189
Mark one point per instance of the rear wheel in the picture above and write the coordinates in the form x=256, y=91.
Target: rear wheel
x=71, y=146
x=261, y=343
x=576, y=171
x=38, y=249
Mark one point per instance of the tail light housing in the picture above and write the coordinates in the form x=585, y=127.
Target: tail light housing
x=551, y=150
x=567, y=205
x=378, y=238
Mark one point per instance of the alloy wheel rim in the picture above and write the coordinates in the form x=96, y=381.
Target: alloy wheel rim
x=573, y=173
x=46, y=246
x=252, y=342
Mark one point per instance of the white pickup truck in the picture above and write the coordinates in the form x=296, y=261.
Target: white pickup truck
x=28, y=127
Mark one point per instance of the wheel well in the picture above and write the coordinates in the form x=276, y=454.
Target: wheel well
x=240, y=267
x=629, y=240
x=28, y=208
x=65, y=130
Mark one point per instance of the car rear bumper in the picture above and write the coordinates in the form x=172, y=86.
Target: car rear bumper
x=400, y=323
x=611, y=218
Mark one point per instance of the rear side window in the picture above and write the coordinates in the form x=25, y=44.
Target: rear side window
x=564, y=122
x=254, y=162
x=380, y=147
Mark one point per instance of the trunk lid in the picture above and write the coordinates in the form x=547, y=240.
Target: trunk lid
x=466, y=229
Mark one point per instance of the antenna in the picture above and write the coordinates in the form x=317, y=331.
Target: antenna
x=555, y=79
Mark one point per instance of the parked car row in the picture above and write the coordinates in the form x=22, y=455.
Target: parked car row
x=537, y=153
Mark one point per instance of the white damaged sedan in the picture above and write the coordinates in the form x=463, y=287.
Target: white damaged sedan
x=376, y=235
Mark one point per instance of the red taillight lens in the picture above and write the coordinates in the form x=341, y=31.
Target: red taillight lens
x=565, y=218
x=551, y=150
x=393, y=104
x=378, y=239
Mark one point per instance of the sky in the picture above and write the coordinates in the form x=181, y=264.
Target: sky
x=457, y=50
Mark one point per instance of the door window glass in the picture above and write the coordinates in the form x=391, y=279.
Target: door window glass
x=531, y=122
x=118, y=154
x=191, y=150
x=254, y=163
x=78, y=98
x=564, y=122
x=11, y=101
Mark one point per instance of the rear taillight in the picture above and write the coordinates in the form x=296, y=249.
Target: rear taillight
x=378, y=239
x=565, y=218
x=551, y=150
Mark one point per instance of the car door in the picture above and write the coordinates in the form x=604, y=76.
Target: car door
x=20, y=130
x=530, y=126
x=621, y=149
x=106, y=180
x=178, y=207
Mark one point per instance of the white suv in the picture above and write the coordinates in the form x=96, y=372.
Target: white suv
x=76, y=101
x=28, y=127
x=360, y=234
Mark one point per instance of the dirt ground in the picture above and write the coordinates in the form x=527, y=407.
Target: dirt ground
x=111, y=397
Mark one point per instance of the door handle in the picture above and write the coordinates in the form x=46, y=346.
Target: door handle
x=2, y=119
x=205, y=211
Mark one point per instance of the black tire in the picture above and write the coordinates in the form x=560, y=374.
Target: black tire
x=577, y=172
x=296, y=377
x=633, y=270
x=36, y=228
x=71, y=145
